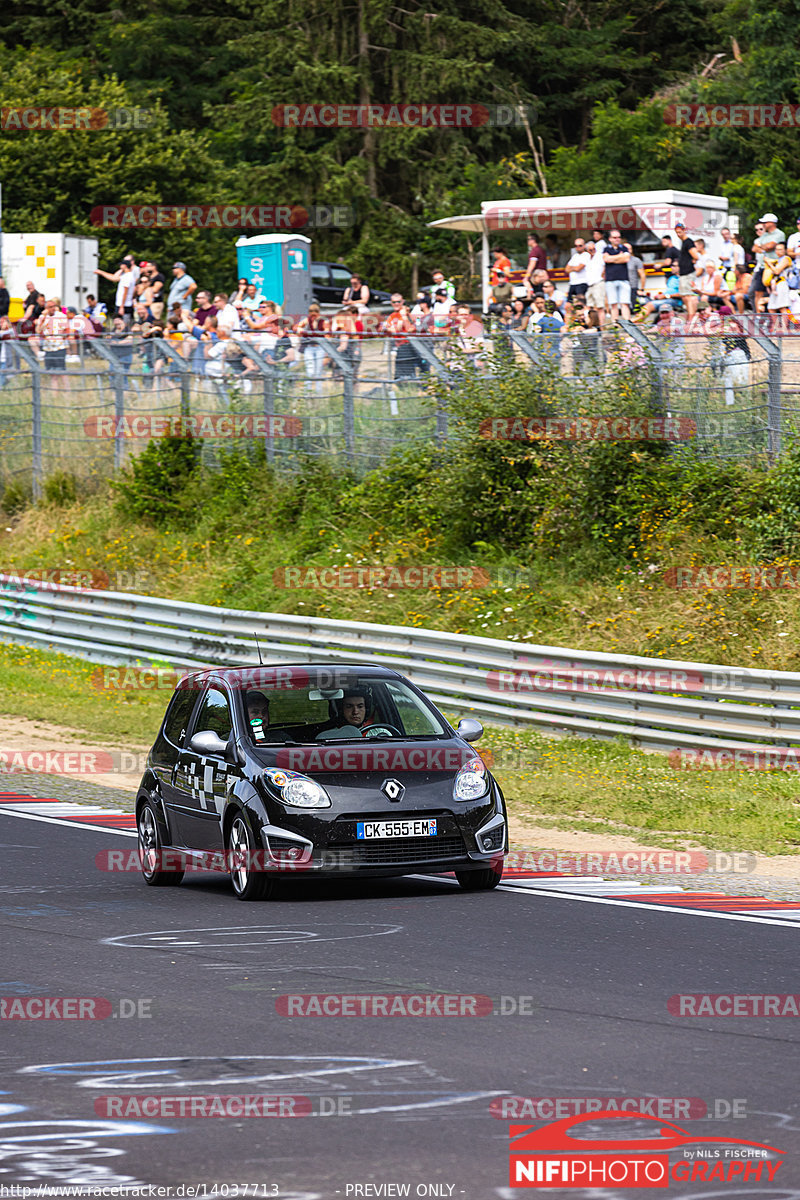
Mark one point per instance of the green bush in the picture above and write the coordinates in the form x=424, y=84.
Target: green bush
x=154, y=486
x=60, y=489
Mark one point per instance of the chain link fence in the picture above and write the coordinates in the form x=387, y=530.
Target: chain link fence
x=356, y=406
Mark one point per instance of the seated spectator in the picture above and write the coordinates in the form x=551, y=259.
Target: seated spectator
x=395, y=326
x=502, y=343
x=537, y=282
x=669, y=296
x=441, y=311
x=422, y=316
x=79, y=328
x=357, y=293
x=519, y=313
x=141, y=313
x=556, y=298
x=440, y=282
x=502, y=293
x=741, y=289
x=283, y=353
x=97, y=313
x=708, y=282
x=205, y=308
x=540, y=314
x=227, y=316
x=252, y=298
x=467, y=333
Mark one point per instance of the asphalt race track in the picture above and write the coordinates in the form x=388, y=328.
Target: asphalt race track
x=407, y=1101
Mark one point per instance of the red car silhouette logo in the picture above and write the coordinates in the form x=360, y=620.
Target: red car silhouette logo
x=555, y=1138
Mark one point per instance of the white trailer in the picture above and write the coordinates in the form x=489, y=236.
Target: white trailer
x=57, y=264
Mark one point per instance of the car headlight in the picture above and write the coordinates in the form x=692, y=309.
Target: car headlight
x=297, y=790
x=472, y=781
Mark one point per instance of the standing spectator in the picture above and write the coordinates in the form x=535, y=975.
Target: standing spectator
x=33, y=309
x=126, y=277
x=8, y=334
x=553, y=251
x=52, y=328
x=793, y=245
x=440, y=282
x=422, y=316
x=357, y=293
x=313, y=329
x=79, y=328
x=181, y=287
x=700, y=261
x=576, y=270
x=595, y=282
x=729, y=251
x=502, y=344
x=396, y=324
x=618, y=288
x=500, y=262
x=502, y=293
x=600, y=243
x=669, y=255
x=5, y=299
x=153, y=292
x=763, y=247
x=537, y=259
x=687, y=257
x=636, y=277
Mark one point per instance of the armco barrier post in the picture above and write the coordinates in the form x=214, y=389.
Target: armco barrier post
x=773, y=351
x=27, y=355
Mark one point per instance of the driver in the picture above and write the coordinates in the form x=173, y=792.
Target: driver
x=354, y=709
x=257, y=708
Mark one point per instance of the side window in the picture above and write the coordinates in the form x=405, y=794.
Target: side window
x=214, y=714
x=177, y=719
x=340, y=278
x=319, y=275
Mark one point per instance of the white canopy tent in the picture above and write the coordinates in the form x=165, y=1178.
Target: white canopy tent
x=626, y=211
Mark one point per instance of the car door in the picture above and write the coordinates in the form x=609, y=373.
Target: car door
x=167, y=749
x=201, y=780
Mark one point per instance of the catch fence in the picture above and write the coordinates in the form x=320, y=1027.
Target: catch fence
x=356, y=405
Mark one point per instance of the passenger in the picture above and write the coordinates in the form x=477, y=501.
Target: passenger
x=257, y=708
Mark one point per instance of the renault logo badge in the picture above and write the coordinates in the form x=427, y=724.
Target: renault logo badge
x=393, y=789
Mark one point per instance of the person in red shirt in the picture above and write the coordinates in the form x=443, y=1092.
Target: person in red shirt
x=396, y=324
x=537, y=261
x=501, y=262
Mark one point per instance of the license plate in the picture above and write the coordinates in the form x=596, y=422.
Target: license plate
x=395, y=829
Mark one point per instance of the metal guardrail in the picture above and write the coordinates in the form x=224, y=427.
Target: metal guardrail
x=657, y=704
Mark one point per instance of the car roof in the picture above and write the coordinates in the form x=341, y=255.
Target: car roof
x=234, y=672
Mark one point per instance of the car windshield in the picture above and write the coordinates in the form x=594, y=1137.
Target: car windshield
x=309, y=712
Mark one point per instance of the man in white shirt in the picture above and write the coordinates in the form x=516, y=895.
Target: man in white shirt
x=227, y=316
x=600, y=243
x=125, y=277
x=576, y=269
x=595, y=281
x=539, y=312
x=793, y=244
x=441, y=310
x=728, y=257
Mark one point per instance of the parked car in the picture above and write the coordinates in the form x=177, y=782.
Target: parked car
x=362, y=778
x=329, y=280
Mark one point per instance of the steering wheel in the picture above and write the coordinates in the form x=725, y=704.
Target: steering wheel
x=379, y=729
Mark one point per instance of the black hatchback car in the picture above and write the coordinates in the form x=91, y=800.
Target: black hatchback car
x=309, y=767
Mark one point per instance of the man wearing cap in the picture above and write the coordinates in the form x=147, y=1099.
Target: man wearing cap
x=763, y=246
x=182, y=286
x=688, y=255
x=441, y=310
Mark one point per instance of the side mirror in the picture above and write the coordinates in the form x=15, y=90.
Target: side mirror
x=468, y=728
x=208, y=743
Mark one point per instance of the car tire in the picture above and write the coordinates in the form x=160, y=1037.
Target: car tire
x=151, y=849
x=247, y=884
x=482, y=880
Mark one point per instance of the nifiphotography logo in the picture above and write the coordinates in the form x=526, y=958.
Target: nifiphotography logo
x=552, y=1156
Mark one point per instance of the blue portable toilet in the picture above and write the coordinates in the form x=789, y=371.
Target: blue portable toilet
x=280, y=265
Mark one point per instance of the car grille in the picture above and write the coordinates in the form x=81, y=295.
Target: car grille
x=402, y=850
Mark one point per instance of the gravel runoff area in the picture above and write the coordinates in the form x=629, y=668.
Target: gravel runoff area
x=775, y=877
